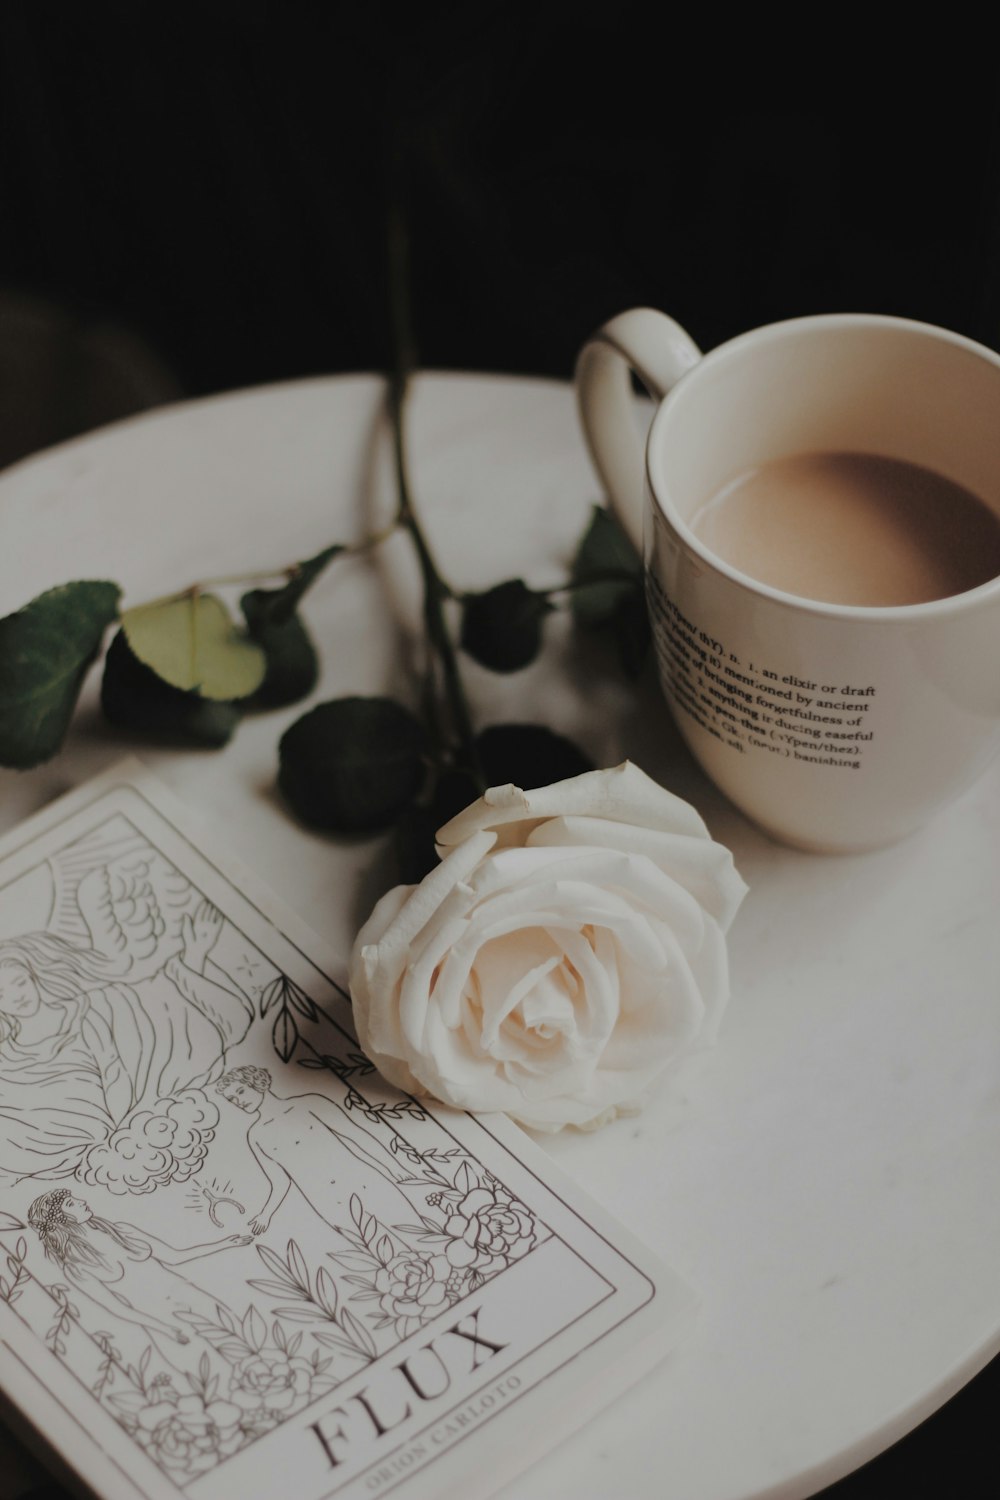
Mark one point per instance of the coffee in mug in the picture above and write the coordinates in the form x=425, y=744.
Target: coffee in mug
x=852, y=528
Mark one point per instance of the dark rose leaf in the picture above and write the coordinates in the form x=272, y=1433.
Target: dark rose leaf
x=606, y=570
x=278, y=606
x=292, y=667
x=502, y=629
x=352, y=765
x=413, y=844
x=528, y=755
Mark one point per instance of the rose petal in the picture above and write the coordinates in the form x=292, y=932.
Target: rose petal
x=703, y=867
x=620, y=870
x=422, y=901
x=625, y=794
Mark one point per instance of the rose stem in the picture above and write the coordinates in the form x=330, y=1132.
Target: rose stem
x=436, y=590
x=266, y=575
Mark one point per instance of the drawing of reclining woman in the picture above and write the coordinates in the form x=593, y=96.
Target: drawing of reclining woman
x=127, y=1272
x=90, y=1030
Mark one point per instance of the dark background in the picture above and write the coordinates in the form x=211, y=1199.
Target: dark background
x=214, y=179
x=195, y=199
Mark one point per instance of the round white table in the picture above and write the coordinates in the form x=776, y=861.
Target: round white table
x=825, y=1176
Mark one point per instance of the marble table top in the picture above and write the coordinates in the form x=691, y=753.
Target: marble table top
x=825, y=1175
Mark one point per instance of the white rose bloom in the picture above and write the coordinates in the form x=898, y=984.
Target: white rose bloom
x=568, y=947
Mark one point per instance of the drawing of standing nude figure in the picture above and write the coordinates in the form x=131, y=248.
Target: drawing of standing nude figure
x=112, y=1013
x=308, y=1140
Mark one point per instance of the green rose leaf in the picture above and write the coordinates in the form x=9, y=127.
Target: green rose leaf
x=45, y=650
x=194, y=645
x=607, y=591
x=528, y=755
x=278, y=606
x=502, y=628
x=352, y=765
x=292, y=665
x=606, y=571
x=134, y=697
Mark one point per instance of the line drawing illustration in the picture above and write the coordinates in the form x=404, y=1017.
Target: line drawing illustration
x=187, y=1421
x=127, y=1271
x=150, y=1053
x=90, y=1025
x=291, y=1138
x=211, y=1198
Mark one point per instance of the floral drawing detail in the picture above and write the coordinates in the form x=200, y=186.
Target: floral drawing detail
x=185, y=1432
x=188, y=1435
x=273, y=1383
x=418, y=1270
x=188, y=1432
x=488, y=1230
x=269, y=1375
x=413, y=1288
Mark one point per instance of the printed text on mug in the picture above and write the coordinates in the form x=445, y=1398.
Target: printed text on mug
x=746, y=704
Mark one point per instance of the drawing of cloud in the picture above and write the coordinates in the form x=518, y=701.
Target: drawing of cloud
x=167, y=1143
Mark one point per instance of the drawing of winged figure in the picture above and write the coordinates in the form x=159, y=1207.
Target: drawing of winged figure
x=113, y=1016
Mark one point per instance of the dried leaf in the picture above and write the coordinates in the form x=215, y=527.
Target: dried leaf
x=193, y=644
x=133, y=697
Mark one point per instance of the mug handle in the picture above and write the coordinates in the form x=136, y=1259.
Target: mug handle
x=659, y=351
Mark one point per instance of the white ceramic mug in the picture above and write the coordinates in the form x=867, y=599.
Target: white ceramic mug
x=835, y=727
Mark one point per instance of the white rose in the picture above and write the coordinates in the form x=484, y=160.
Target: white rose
x=568, y=947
